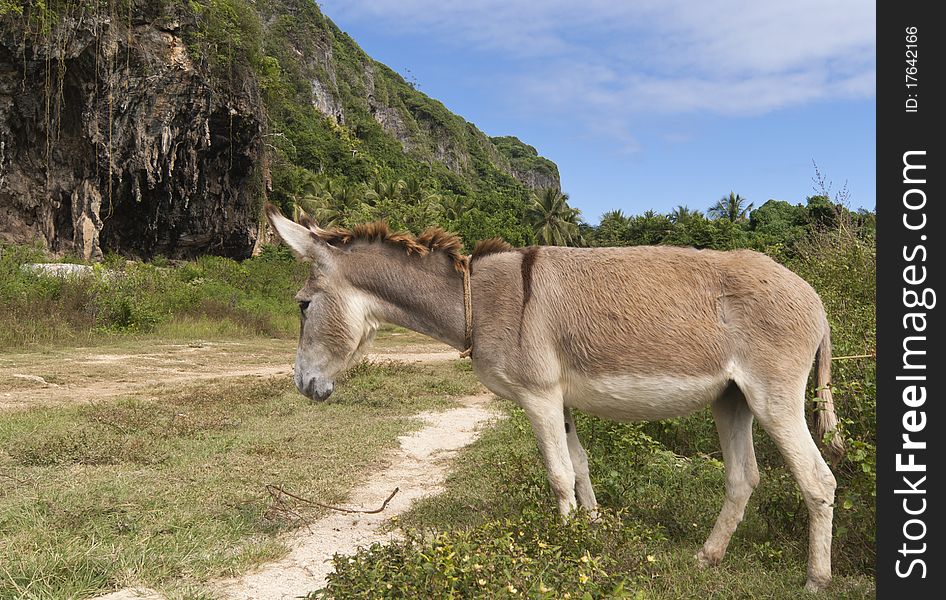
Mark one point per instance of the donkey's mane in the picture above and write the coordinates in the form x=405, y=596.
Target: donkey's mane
x=490, y=246
x=433, y=239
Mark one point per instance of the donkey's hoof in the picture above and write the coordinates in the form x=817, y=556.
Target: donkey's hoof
x=817, y=584
x=705, y=559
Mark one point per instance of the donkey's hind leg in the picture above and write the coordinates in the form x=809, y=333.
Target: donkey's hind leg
x=781, y=411
x=734, y=425
x=583, y=489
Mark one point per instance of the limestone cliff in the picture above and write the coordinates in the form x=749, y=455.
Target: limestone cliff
x=151, y=129
x=112, y=138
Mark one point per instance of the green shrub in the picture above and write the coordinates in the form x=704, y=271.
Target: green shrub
x=535, y=556
x=841, y=265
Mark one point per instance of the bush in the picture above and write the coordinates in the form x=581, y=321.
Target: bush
x=535, y=556
x=495, y=532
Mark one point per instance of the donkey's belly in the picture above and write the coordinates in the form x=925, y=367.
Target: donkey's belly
x=643, y=398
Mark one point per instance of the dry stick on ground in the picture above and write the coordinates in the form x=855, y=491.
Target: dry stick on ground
x=13, y=479
x=276, y=490
x=874, y=355
x=279, y=505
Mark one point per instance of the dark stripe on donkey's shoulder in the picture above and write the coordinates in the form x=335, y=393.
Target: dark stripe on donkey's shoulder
x=529, y=257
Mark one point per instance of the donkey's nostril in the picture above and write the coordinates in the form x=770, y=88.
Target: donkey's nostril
x=327, y=392
x=318, y=389
x=303, y=304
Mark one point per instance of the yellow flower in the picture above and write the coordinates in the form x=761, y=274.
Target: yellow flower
x=481, y=581
x=543, y=545
x=512, y=589
x=585, y=558
x=543, y=589
x=583, y=578
x=651, y=558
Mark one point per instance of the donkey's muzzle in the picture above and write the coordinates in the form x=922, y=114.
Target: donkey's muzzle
x=316, y=388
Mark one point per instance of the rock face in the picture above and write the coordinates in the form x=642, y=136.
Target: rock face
x=118, y=132
x=111, y=137
x=526, y=165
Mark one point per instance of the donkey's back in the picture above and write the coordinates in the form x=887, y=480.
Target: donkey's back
x=676, y=325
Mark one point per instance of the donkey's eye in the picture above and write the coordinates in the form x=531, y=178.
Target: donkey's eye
x=303, y=304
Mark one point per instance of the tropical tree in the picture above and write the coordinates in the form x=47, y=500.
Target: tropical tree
x=554, y=222
x=613, y=229
x=733, y=208
x=822, y=211
x=302, y=191
x=648, y=228
x=683, y=214
x=453, y=205
x=422, y=206
x=413, y=192
x=338, y=204
x=381, y=191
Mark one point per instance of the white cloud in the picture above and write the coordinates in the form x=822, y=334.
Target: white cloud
x=615, y=60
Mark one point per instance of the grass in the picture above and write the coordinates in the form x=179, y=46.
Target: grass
x=209, y=298
x=168, y=491
x=657, y=509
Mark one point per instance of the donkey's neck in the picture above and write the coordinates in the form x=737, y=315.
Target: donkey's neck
x=421, y=293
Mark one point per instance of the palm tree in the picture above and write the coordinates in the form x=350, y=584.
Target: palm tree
x=308, y=198
x=554, y=222
x=384, y=191
x=612, y=230
x=453, y=206
x=733, y=208
x=337, y=204
x=683, y=214
x=414, y=193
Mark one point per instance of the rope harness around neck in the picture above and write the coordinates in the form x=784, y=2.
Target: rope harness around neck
x=467, y=309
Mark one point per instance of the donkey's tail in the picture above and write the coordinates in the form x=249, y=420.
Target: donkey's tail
x=826, y=421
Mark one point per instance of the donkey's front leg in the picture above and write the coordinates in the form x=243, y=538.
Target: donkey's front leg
x=545, y=414
x=583, y=489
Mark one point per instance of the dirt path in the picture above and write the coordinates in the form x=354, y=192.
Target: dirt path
x=418, y=468
x=85, y=374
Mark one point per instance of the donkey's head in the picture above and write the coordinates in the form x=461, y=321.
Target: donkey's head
x=336, y=318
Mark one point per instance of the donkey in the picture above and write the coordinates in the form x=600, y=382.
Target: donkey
x=638, y=333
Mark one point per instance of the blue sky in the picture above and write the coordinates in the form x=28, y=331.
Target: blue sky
x=650, y=103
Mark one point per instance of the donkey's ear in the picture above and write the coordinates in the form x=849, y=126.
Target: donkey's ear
x=301, y=240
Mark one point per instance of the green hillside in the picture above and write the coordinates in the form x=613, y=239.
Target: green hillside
x=337, y=117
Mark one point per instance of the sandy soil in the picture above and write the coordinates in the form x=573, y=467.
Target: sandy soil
x=93, y=374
